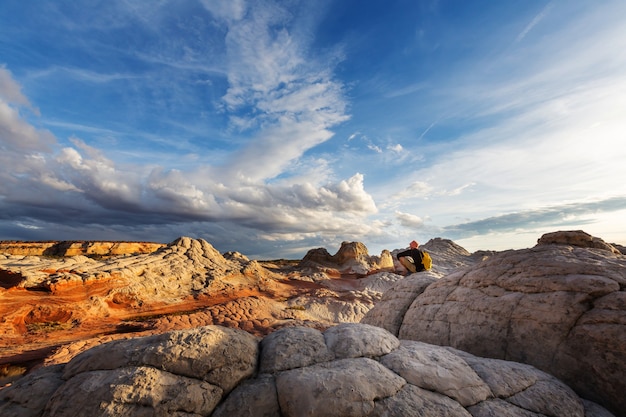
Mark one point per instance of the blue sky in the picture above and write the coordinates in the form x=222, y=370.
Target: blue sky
x=274, y=127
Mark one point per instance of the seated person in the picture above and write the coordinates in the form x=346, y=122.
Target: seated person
x=411, y=259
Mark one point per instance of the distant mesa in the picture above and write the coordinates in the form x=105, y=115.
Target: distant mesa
x=75, y=248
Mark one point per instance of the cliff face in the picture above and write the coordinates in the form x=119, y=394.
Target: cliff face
x=74, y=248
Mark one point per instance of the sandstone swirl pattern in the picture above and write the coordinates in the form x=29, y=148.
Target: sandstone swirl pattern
x=560, y=306
x=348, y=370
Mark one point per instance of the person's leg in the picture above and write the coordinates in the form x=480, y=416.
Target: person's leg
x=410, y=266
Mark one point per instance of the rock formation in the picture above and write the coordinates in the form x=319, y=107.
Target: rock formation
x=49, y=296
x=351, y=258
x=559, y=307
x=53, y=307
x=74, y=248
x=348, y=370
x=576, y=238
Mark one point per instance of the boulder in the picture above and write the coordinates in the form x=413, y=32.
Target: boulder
x=28, y=396
x=293, y=347
x=219, y=355
x=390, y=310
x=348, y=370
x=559, y=307
x=576, y=238
x=133, y=391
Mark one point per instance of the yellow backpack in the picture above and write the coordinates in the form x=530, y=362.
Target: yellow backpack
x=427, y=261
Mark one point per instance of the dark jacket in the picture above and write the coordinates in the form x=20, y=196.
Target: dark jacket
x=417, y=256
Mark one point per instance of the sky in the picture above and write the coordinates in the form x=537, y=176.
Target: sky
x=274, y=127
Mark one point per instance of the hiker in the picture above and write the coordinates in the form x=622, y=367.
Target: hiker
x=412, y=259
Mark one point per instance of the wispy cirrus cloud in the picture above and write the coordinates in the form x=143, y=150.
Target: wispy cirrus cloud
x=289, y=103
x=538, y=18
x=552, y=216
x=256, y=125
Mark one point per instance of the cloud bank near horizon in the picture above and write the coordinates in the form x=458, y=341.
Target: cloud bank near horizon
x=278, y=160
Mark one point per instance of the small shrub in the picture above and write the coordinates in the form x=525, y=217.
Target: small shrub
x=50, y=326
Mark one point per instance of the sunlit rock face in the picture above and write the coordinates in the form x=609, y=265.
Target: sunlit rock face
x=74, y=248
x=560, y=306
x=347, y=370
x=351, y=258
x=77, y=302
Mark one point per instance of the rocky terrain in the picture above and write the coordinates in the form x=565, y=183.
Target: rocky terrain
x=54, y=307
x=134, y=334
x=560, y=306
x=347, y=370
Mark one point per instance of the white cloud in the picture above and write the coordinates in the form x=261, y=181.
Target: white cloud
x=226, y=9
x=374, y=148
x=538, y=18
x=10, y=91
x=416, y=189
x=16, y=134
x=81, y=173
x=20, y=135
x=287, y=99
x=409, y=220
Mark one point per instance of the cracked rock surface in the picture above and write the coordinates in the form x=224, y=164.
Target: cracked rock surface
x=558, y=306
x=347, y=370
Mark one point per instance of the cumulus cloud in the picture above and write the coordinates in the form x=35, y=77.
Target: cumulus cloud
x=79, y=186
x=288, y=102
x=18, y=135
